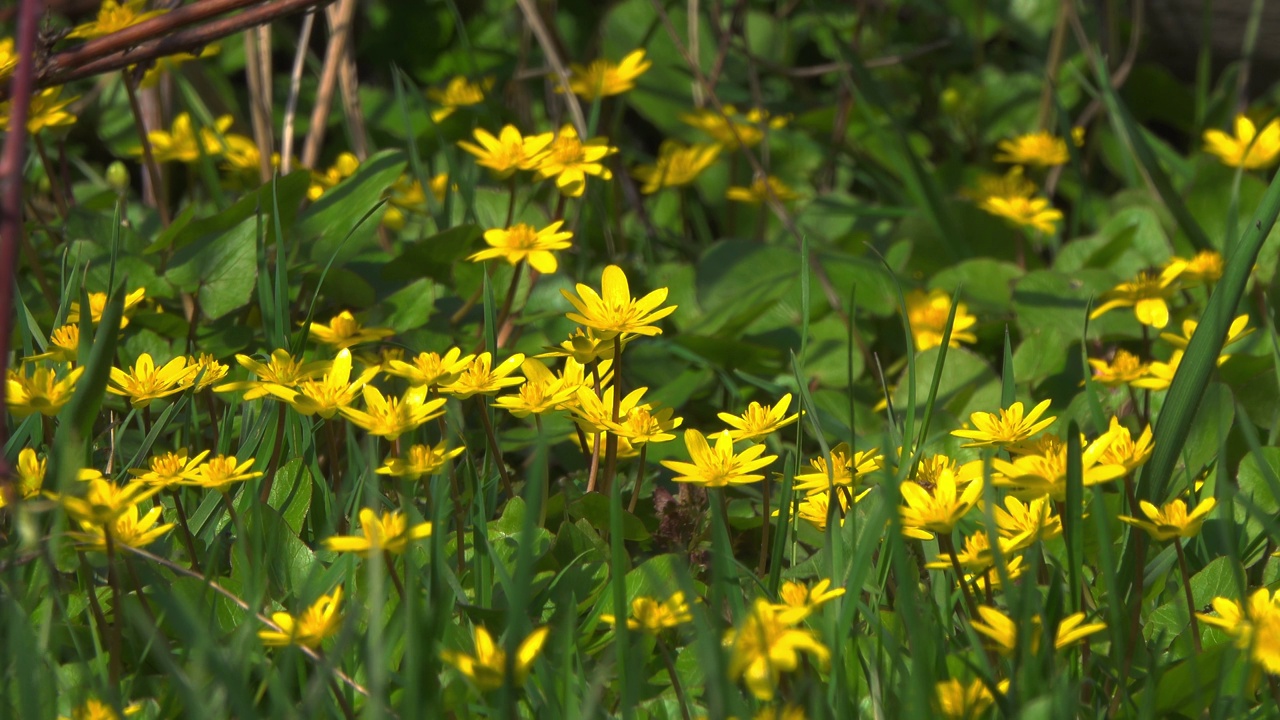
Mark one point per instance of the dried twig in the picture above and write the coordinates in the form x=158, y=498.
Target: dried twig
x=539, y=28
x=295, y=85
x=328, y=81
x=257, y=70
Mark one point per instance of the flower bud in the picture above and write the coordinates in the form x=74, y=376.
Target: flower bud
x=118, y=177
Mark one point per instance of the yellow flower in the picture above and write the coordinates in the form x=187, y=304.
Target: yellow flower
x=1147, y=294
x=95, y=709
x=420, y=460
x=625, y=448
x=1038, y=148
x=614, y=311
x=344, y=331
x=170, y=64
x=1255, y=625
x=1172, y=520
x=927, y=313
x=733, y=130
x=241, y=155
x=1249, y=148
x=145, y=382
x=1012, y=184
x=541, y=392
x=281, y=369
x=584, y=346
x=460, y=92
x=220, y=472
x=127, y=529
x=979, y=581
x=759, y=190
x=570, y=160
x=1025, y=524
x=767, y=644
x=47, y=110
x=759, y=420
x=391, y=417
x=957, y=701
x=603, y=78
x=798, y=596
x=652, y=616
x=1124, y=450
x=1002, y=631
x=431, y=369
x=931, y=468
x=389, y=532
x=40, y=392
x=676, y=165
x=974, y=555
x=113, y=17
x=509, y=151
x=594, y=413
x=926, y=513
x=8, y=58
x=1023, y=211
x=1205, y=267
x=718, y=466
x=523, y=242
x=1009, y=428
x=481, y=378
x=488, y=667
x=1159, y=374
x=206, y=368
x=98, y=303
x=815, y=507
x=29, y=476
x=1044, y=472
x=104, y=501
x=407, y=194
x=1238, y=330
x=641, y=424
x=325, y=396
x=64, y=346
x=343, y=167
x=1072, y=629
x=180, y=144
x=1124, y=368
x=170, y=468
x=844, y=468
x=317, y=622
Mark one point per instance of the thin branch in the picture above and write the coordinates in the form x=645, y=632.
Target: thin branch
x=324, y=94
x=295, y=85
x=539, y=28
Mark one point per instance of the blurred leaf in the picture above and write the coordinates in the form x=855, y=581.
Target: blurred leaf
x=433, y=257
x=221, y=269
x=326, y=225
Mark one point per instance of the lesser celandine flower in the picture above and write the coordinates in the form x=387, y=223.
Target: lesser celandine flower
x=128, y=529
x=113, y=17
x=816, y=507
x=1172, y=520
x=584, y=346
x=1013, y=569
x=1002, y=631
x=181, y=144
x=220, y=472
x=1147, y=294
x=1024, y=524
x=1254, y=624
x=798, y=596
x=1248, y=148
x=1012, y=184
x=613, y=311
x=281, y=369
x=28, y=476
x=926, y=513
x=645, y=424
x=974, y=555
x=1238, y=330
x=98, y=303
x=170, y=64
x=524, y=242
x=677, y=165
x=759, y=421
x=431, y=369
x=481, y=377
x=204, y=370
x=64, y=345
x=652, y=616
x=42, y=391
x=1045, y=472
x=8, y=58
x=928, y=312
x=488, y=667
x=104, y=501
x=418, y=461
x=718, y=466
x=388, y=532
x=1205, y=267
x=95, y=709
x=144, y=382
x=930, y=468
x=170, y=468
x=570, y=160
x=594, y=413
x=319, y=621
x=731, y=129
x=1011, y=426
x=1159, y=374
x=1038, y=148
x=1034, y=212
x=460, y=92
x=344, y=331
x=958, y=701
x=509, y=151
x=541, y=392
x=759, y=191
x=1124, y=449
x=603, y=78
x=844, y=468
x=324, y=397
x=48, y=109
x=391, y=417
x=343, y=167
x=1124, y=368
x=766, y=644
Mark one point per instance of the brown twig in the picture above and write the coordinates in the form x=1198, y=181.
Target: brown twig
x=540, y=31
x=12, y=158
x=338, y=38
x=295, y=85
x=257, y=71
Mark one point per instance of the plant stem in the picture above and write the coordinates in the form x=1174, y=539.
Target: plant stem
x=493, y=447
x=764, y=531
x=675, y=679
x=187, y=537
x=511, y=202
x=274, y=464
x=335, y=470
x=149, y=160
x=114, y=662
x=611, y=450
x=395, y=577
x=1186, y=589
x=55, y=188
x=639, y=483
x=945, y=541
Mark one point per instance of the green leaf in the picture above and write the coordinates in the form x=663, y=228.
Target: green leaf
x=963, y=374
x=433, y=257
x=185, y=230
x=594, y=508
x=291, y=493
x=222, y=269
x=326, y=224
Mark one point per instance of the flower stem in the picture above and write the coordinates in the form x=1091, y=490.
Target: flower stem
x=335, y=470
x=395, y=577
x=764, y=531
x=639, y=483
x=114, y=664
x=511, y=202
x=611, y=450
x=274, y=464
x=493, y=447
x=675, y=679
x=187, y=537
x=945, y=541
x=55, y=187
x=149, y=160
x=1186, y=589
